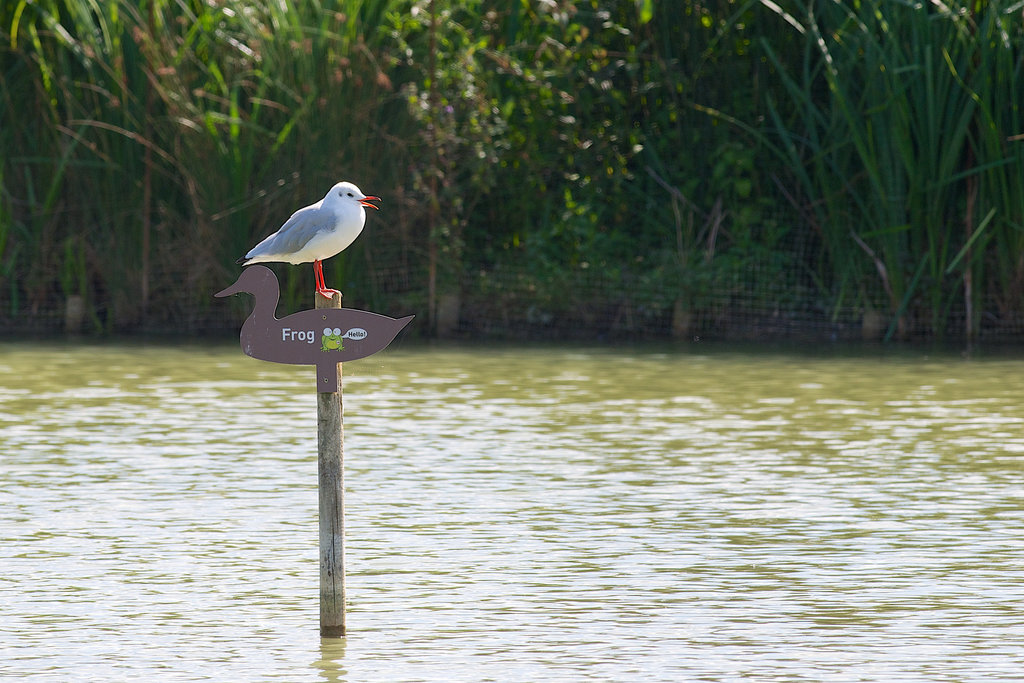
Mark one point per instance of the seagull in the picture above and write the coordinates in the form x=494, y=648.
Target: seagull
x=317, y=232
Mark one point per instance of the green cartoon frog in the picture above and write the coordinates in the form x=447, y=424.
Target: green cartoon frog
x=331, y=341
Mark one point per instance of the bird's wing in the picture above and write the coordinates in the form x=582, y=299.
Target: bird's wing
x=296, y=233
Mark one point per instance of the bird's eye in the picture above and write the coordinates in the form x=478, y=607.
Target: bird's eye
x=351, y=195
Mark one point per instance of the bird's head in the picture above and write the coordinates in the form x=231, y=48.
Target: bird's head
x=346, y=192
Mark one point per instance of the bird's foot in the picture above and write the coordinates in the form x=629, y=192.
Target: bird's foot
x=327, y=292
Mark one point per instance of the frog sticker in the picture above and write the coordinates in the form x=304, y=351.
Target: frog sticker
x=331, y=340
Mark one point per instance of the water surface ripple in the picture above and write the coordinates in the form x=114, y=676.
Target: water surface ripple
x=514, y=515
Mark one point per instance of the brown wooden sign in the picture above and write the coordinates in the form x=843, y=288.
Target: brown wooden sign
x=322, y=337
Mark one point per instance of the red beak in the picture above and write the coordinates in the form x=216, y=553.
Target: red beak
x=365, y=201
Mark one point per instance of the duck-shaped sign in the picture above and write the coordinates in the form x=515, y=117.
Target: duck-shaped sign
x=322, y=337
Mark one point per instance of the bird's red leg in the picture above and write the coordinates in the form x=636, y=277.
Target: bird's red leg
x=321, y=286
x=318, y=272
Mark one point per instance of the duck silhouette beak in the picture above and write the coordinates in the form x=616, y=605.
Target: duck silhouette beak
x=233, y=289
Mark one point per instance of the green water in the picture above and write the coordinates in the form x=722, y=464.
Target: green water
x=515, y=515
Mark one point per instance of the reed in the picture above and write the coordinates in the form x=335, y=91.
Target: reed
x=562, y=147
x=163, y=131
x=892, y=129
x=993, y=256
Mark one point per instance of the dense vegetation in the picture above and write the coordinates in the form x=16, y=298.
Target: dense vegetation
x=613, y=166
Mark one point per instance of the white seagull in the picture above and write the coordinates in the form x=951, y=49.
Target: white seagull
x=317, y=232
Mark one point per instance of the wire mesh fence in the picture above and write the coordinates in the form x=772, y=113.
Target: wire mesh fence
x=767, y=299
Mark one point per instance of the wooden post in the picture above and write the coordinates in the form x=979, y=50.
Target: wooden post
x=330, y=463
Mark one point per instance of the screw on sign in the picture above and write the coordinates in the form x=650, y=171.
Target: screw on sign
x=325, y=337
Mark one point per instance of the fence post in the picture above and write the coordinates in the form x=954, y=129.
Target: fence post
x=331, y=468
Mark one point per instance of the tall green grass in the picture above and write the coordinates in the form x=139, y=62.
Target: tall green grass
x=542, y=159
x=160, y=138
x=898, y=131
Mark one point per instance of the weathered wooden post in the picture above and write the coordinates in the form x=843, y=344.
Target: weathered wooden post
x=325, y=337
x=330, y=430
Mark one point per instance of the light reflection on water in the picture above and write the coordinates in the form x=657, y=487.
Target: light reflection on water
x=535, y=514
